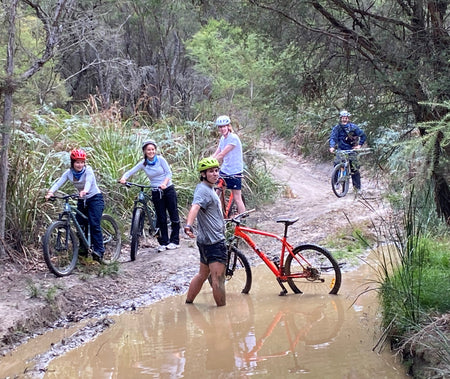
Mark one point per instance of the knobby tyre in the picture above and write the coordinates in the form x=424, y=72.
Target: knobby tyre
x=154, y=229
x=318, y=271
x=137, y=228
x=239, y=269
x=112, y=239
x=339, y=180
x=60, y=246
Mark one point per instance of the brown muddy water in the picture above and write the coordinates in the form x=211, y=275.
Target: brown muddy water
x=258, y=335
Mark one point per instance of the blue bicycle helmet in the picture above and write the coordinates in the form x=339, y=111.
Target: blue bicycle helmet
x=223, y=120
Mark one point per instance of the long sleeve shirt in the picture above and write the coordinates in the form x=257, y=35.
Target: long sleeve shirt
x=87, y=182
x=156, y=173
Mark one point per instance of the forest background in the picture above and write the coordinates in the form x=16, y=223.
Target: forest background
x=106, y=74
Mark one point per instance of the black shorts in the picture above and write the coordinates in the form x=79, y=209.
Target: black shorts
x=233, y=181
x=216, y=252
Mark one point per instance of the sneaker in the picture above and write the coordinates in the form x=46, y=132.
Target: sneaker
x=162, y=248
x=96, y=256
x=172, y=246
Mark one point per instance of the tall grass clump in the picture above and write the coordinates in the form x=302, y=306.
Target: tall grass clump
x=39, y=154
x=414, y=270
x=32, y=162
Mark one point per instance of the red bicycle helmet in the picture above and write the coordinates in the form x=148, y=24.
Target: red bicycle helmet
x=78, y=155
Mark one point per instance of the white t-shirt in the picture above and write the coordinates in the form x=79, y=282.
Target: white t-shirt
x=233, y=162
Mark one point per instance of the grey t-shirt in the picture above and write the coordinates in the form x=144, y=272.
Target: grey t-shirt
x=211, y=226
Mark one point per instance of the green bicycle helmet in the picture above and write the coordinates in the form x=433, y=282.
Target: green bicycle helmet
x=206, y=163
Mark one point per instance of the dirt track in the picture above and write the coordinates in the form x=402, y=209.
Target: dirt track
x=62, y=301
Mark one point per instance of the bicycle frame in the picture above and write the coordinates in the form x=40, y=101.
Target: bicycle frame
x=240, y=231
x=143, y=201
x=221, y=187
x=69, y=215
x=286, y=248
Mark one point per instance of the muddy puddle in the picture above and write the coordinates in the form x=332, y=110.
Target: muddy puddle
x=261, y=334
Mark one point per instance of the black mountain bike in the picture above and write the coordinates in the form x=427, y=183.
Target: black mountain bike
x=142, y=209
x=63, y=237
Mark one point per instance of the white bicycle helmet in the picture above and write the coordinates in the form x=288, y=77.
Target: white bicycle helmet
x=149, y=142
x=223, y=120
x=344, y=113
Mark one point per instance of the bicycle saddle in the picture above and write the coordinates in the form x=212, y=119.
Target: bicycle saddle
x=288, y=221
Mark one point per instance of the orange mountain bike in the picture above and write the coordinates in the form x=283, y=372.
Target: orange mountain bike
x=229, y=206
x=307, y=268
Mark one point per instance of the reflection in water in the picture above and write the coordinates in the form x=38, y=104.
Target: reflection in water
x=261, y=334
x=256, y=334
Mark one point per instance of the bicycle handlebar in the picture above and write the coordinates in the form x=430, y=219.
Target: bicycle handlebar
x=362, y=150
x=64, y=197
x=236, y=218
x=141, y=186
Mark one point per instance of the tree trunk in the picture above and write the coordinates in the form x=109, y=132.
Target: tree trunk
x=7, y=120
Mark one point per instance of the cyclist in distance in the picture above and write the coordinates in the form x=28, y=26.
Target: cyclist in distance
x=164, y=196
x=348, y=136
x=91, y=201
x=229, y=153
x=211, y=233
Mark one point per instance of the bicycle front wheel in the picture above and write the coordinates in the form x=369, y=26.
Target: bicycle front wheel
x=239, y=269
x=60, y=246
x=232, y=208
x=137, y=228
x=314, y=271
x=340, y=180
x=112, y=241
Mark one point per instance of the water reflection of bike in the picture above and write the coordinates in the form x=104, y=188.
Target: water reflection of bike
x=285, y=330
x=316, y=324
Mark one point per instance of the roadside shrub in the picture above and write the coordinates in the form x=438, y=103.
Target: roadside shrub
x=37, y=159
x=414, y=270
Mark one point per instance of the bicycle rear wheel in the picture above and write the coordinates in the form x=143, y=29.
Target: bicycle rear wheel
x=137, y=228
x=239, y=269
x=112, y=240
x=60, y=246
x=340, y=180
x=317, y=270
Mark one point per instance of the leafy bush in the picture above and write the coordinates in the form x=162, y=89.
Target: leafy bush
x=41, y=154
x=414, y=273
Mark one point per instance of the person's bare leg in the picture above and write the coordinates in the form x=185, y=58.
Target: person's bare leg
x=197, y=282
x=218, y=282
x=237, y=195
